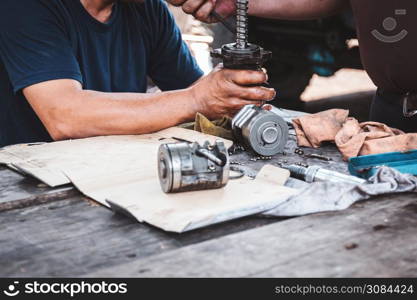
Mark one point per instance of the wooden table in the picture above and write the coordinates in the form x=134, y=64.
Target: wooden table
x=58, y=232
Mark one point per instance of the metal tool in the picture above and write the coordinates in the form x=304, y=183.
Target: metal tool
x=301, y=152
x=316, y=173
x=241, y=54
x=258, y=129
x=318, y=156
x=186, y=166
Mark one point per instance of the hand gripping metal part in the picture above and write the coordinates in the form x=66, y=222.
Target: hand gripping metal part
x=262, y=131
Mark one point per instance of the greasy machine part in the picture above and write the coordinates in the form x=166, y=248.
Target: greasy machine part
x=259, y=130
x=186, y=166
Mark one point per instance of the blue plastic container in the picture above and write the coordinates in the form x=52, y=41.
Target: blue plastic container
x=365, y=166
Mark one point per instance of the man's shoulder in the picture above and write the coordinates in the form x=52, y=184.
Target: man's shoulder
x=147, y=7
x=153, y=15
x=22, y=11
x=146, y=4
x=12, y=6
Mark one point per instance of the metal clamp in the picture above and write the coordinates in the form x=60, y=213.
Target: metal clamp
x=407, y=112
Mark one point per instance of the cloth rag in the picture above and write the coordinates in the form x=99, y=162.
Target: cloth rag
x=329, y=196
x=351, y=137
x=221, y=127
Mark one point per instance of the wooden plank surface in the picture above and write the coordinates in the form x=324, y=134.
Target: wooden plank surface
x=17, y=191
x=72, y=237
x=375, y=238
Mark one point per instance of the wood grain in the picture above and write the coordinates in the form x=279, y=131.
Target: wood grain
x=315, y=245
x=17, y=191
x=71, y=237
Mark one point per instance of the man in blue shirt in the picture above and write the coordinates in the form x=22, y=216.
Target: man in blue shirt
x=79, y=68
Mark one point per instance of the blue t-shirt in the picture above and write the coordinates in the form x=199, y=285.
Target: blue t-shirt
x=44, y=40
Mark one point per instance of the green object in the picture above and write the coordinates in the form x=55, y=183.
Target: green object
x=221, y=127
x=366, y=166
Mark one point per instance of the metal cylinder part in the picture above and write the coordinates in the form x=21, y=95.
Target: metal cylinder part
x=184, y=167
x=261, y=131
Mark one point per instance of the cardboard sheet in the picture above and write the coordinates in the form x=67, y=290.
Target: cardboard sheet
x=138, y=194
x=121, y=172
x=47, y=161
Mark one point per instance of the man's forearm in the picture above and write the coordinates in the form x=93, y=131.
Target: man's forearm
x=130, y=113
x=83, y=113
x=296, y=9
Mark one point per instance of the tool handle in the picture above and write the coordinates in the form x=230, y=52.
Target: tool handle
x=333, y=176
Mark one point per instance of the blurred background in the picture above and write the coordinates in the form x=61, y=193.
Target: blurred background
x=315, y=66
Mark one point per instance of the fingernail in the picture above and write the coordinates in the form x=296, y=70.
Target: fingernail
x=275, y=94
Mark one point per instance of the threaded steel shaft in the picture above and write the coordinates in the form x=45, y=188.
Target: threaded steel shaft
x=242, y=23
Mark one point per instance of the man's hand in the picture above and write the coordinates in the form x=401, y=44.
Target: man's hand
x=225, y=92
x=201, y=9
x=275, y=9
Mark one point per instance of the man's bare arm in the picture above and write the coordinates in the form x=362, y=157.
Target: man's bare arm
x=68, y=111
x=296, y=9
x=275, y=9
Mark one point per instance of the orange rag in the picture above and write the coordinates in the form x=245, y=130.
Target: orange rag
x=351, y=137
x=313, y=130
